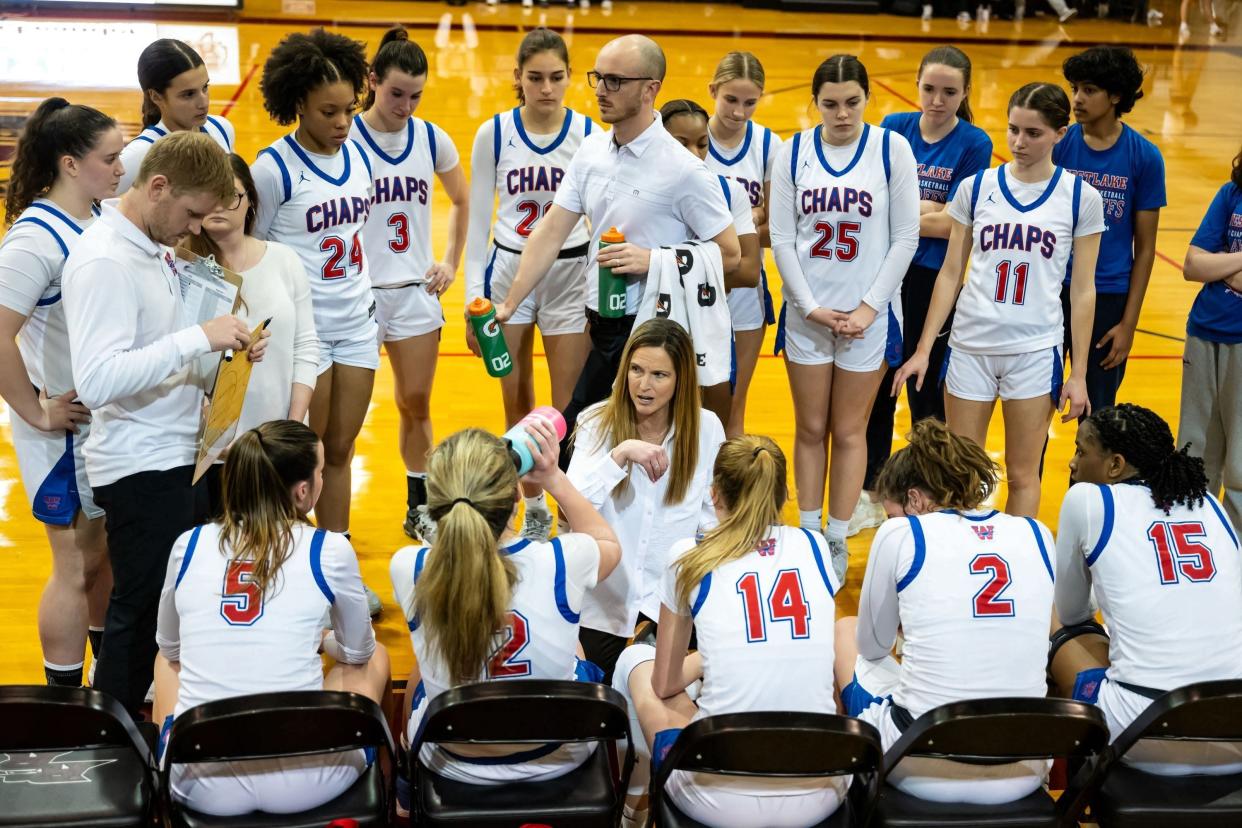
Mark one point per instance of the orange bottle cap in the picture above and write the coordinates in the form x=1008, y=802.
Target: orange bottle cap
x=479, y=306
x=613, y=236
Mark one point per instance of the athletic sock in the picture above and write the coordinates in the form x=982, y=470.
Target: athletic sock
x=63, y=675
x=836, y=529
x=415, y=489
x=812, y=519
x=95, y=636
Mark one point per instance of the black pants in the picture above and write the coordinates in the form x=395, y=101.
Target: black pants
x=916, y=293
x=608, y=338
x=1102, y=384
x=603, y=649
x=146, y=512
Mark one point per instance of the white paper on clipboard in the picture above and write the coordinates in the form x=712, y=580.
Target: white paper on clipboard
x=208, y=290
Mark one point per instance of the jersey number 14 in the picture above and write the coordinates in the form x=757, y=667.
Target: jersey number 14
x=784, y=601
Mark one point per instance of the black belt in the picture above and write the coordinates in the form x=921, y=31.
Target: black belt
x=1149, y=692
x=566, y=253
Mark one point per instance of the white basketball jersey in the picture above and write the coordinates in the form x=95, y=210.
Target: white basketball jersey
x=233, y=640
x=1011, y=303
x=541, y=639
x=765, y=625
x=842, y=213
x=48, y=233
x=397, y=236
x=218, y=128
x=325, y=204
x=527, y=175
x=749, y=164
x=975, y=601
x=1170, y=588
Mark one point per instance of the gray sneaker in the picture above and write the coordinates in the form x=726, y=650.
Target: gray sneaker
x=840, y=558
x=537, y=526
x=419, y=525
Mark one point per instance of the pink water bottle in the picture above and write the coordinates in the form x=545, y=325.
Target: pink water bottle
x=521, y=446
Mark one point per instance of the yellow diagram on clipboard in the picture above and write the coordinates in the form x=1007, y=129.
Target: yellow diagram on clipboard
x=224, y=411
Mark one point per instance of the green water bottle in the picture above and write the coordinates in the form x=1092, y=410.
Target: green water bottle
x=611, y=288
x=491, y=338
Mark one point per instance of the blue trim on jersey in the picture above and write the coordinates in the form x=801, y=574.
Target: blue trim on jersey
x=769, y=310
x=562, y=597
x=974, y=193
x=1043, y=549
x=855, y=698
x=793, y=160
x=159, y=133
x=515, y=547
x=146, y=138
x=316, y=564
x=724, y=185
x=64, y=248
x=1074, y=209
x=305, y=159
x=73, y=225
x=988, y=516
x=51, y=300
x=366, y=162
x=780, y=331
x=888, y=167
x=556, y=142
x=894, y=345
x=920, y=553
x=767, y=142
x=1018, y=205
x=1058, y=376
x=1106, y=532
x=284, y=172
x=1087, y=685
x=704, y=586
x=215, y=122
x=431, y=141
x=487, y=273
x=742, y=150
x=819, y=560
x=823, y=162
x=405, y=153
x=1224, y=520
x=95, y=209
x=189, y=553
x=588, y=126
x=419, y=560
x=496, y=138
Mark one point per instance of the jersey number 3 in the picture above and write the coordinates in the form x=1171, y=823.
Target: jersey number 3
x=241, y=603
x=785, y=602
x=505, y=664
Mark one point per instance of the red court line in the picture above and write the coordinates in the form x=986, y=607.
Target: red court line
x=228, y=107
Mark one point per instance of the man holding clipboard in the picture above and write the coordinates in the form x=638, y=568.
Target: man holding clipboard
x=133, y=367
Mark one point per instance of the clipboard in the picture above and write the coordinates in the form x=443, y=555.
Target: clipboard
x=224, y=408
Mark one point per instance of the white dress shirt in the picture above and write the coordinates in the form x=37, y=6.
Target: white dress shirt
x=652, y=189
x=645, y=526
x=132, y=360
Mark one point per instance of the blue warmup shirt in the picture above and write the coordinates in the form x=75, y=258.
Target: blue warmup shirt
x=1216, y=314
x=1130, y=177
x=941, y=166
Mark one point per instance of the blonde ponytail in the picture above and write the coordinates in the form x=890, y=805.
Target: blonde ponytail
x=466, y=586
x=750, y=481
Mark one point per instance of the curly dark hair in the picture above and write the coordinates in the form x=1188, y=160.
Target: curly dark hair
x=1144, y=439
x=303, y=62
x=55, y=129
x=1114, y=69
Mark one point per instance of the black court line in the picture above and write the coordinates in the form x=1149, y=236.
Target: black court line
x=1160, y=335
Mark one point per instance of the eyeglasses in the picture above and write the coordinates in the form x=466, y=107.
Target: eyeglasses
x=611, y=82
x=236, y=202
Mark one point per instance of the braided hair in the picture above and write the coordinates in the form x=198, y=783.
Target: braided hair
x=1138, y=434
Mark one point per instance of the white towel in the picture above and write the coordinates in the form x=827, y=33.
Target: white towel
x=685, y=283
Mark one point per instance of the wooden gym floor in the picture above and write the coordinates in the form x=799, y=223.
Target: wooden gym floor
x=89, y=59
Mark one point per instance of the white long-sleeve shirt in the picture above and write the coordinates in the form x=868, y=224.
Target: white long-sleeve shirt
x=132, y=359
x=645, y=526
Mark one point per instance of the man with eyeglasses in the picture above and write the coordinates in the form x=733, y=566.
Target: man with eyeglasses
x=636, y=178
x=132, y=367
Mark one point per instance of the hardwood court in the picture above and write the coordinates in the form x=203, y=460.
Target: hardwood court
x=1189, y=110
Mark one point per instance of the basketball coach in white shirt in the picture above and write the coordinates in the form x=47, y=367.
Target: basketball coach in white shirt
x=132, y=362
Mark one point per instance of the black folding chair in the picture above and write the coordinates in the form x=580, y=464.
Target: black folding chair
x=774, y=744
x=1121, y=795
x=530, y=712
x=69, y=757
x=270, y=725
x=991, y=731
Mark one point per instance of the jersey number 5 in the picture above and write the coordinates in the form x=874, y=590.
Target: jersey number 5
x=334, y=246
x=505, y=664
x=785, y=602
x=988, y=603
x=241, y=603
x=843, y=233
x=1179, y=552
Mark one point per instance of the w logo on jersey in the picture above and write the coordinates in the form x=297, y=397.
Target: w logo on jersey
x=766, y=547
x=985, y=532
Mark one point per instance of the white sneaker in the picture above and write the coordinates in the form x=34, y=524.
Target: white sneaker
x=1068, y=14
x=1154, y=17
x=927, y=11
x=840, y=553
x=537, y=525
x=90, y=674
x=983, y=15
x=633, y=818
x=1215, y=30
x=150, y=697
x=867, y=515
x=1183, y=31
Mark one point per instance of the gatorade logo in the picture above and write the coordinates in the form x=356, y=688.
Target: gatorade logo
x=663, y=303
x=685, y=261
x=707, y=295
x=491, y=329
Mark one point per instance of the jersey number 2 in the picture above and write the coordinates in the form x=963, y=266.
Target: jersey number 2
x=505, y=664
x=988, y=603
x=844, y=234
x=334, y=246
x=1179, y=552
x=241, y=603
x=531, y=211
x=785, y=602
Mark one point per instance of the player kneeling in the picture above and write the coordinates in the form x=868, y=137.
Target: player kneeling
x=1140, y=527
x=971, y=590
x=242, y=612
x=760, y=596
x=483, y=604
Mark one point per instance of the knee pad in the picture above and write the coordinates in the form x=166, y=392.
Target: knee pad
x=1069, y=632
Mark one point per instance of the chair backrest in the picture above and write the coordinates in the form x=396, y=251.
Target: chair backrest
x=40, y=718
x=1004, y=730
x=266, y=725
x=1207, y=711
x=525, y=711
